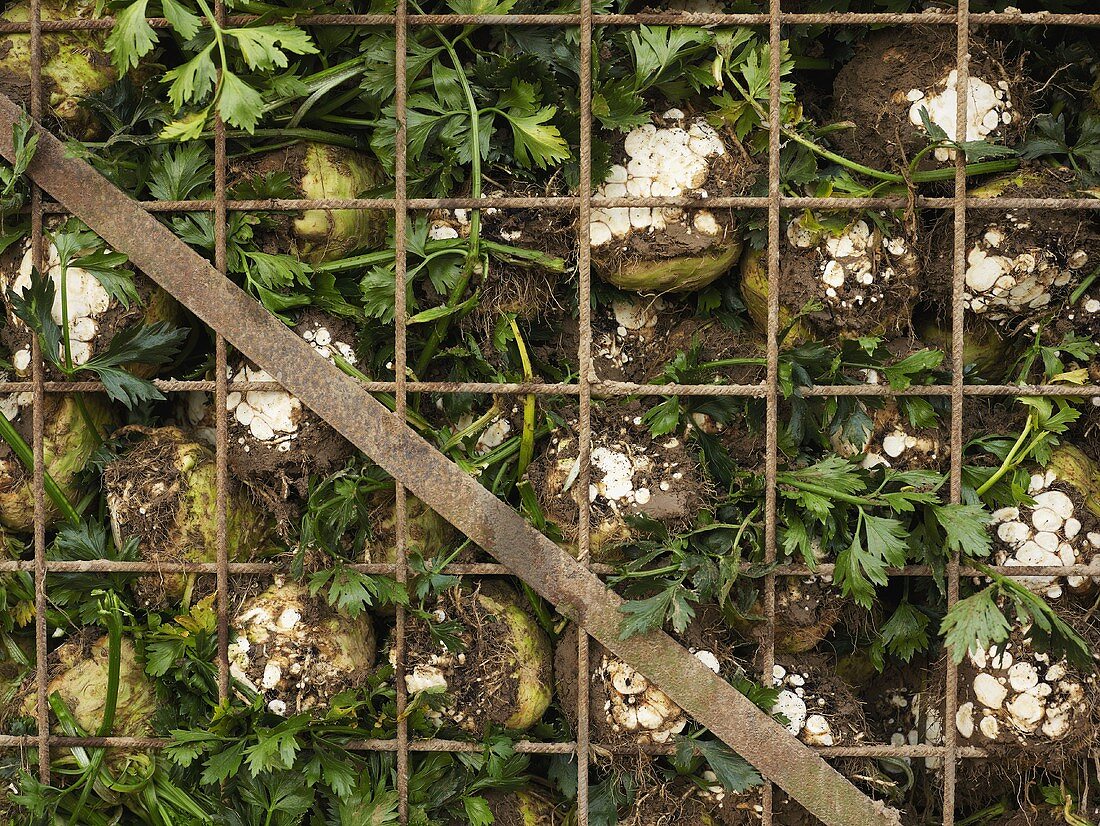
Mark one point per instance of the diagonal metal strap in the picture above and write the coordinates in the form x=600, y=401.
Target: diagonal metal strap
x=576, y=592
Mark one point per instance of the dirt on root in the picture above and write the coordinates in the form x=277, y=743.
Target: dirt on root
x=148, y=487
x=318, y=645
x=1015, y=752
x=640, y=355
x=870, y=91
x=926, y=448
x=989, y=417
x=277, y=473
x=161, y=491
x=1059, y=232
x=664, y=468
x=731, y=174
x=153, y=304
x=852, y=312
x=806, y=610
x=518, y=809
x=483, y=688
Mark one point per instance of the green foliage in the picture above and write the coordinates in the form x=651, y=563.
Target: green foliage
x=980, y=621
x=75, y=596
x=153, y=344
x=1079, y=147
x=213, y=80
x=13, y=192
x=352, y=592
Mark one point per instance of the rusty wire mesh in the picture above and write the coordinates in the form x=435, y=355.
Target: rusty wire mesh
x=587, y=386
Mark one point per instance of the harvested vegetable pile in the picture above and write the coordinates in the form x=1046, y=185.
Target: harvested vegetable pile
x=286, y=693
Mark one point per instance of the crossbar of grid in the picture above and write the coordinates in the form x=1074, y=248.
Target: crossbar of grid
x=586, y=388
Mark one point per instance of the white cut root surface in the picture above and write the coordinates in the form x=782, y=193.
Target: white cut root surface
x=637, y=707
x=1020, y=695
x=86, y=301
x=1049, y=533
x=273, y=417
x=635, y=320
x=988, y=109
x=661, y=161
x=855, y=267
x=1005, y=278
x=806, y=712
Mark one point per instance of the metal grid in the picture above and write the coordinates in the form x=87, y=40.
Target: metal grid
x=586, y=388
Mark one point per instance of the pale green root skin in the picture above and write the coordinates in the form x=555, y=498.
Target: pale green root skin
x=191, y=533
x=754, y=292
x=75, y=65
x=676, y=275
x=330, y=234
x=1079, y=472
x=427, y=533
x=1021, y=179
x=345, y=645
x=982, y=346
x=529, y=654
x=534, y=809
x=160, y=306
x=68, y=443
x=352, y=640
x=247, y=531
x=82, y=685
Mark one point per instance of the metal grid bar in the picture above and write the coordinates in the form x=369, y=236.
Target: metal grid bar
x=38, y=438
x=771, y=426
x=221, y=416
x=599, y=389
x=400, y=362
x=587, y=386
x=497, y=569
x=962, y=64
x=662, y=18
x=568, y=203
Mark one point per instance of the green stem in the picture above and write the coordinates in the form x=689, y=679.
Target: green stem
x=1075, y=296
x=21, y=449
x=114, y=667
x=473, y=255
x=65, y=335
x=318, y=135
x=668, y=569
x=923, y=176
x=527, y=443
x=829, y=493
x=476, y=426
x=319, y=80
x=505, y=251
x=412, y=417
x=1009, y=462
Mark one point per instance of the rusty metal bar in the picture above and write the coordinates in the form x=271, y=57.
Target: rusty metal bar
x=39, y=256
x=600, y=389
x=496, y=569
x=221, y=393
x=523, y=747
x=958, y=399
x=564, y=581
x=584, y=402
x=650, y=19
x=400, y=374
x=566, y=203
x=771, y=426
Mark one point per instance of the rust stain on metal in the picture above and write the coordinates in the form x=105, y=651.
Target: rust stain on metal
x=576, y=591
